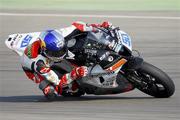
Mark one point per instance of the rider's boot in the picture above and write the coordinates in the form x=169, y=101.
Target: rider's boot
x=48, y=90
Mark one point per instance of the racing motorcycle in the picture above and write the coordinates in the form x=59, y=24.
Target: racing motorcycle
x=110, y=60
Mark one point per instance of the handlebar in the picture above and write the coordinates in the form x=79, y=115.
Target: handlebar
x=112, y=32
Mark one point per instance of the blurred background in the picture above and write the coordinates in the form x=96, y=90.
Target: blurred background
x=93, y=5
x=154, y=26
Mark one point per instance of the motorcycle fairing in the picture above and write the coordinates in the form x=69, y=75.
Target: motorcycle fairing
x=101, y=82
x=125, y=40
x=18, y=42
x=101, y=78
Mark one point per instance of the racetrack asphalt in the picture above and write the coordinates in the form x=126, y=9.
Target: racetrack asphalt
x=157, y=39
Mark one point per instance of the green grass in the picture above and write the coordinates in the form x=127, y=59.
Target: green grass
x=122, y=5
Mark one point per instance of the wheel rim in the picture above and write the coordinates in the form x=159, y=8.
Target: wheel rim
x=152, y=83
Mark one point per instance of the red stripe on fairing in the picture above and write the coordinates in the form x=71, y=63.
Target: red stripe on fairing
x=34, y=50
x=79, y=26
x=117, y=65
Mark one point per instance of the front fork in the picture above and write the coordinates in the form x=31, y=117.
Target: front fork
x=130, y=72
x=133, y=78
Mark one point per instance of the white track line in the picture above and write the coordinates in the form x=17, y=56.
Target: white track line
x=87, y=16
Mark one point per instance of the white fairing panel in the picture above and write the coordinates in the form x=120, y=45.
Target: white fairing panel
x=18, y=42
x=125, y=40
x=94, y=77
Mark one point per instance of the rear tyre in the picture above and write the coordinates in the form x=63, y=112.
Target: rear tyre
x=159, y=84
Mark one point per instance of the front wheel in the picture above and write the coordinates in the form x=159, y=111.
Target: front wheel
x=158, y=83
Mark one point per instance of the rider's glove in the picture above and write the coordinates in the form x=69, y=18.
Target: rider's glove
x=111, y=29
x=66, y=79
x=107, y=25
x=76, y=73
x=84, y=27
x=79, y=72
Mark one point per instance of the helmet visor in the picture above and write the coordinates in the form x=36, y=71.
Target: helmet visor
x=55, y=55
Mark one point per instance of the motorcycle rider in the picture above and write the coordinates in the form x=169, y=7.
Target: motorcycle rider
x=51, y=47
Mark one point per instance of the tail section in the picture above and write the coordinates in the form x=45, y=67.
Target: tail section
x=18, y=42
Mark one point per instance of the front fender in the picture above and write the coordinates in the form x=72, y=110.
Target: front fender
x=133, y=63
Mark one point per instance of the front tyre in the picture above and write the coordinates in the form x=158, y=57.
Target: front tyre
x=158, y=83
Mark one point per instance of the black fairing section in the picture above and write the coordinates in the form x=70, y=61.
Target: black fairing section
x=78, y=50
x=125, y=52
x=106, y=62
x=90, y=47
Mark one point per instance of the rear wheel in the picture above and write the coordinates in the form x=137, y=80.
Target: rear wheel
x=157, y=83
